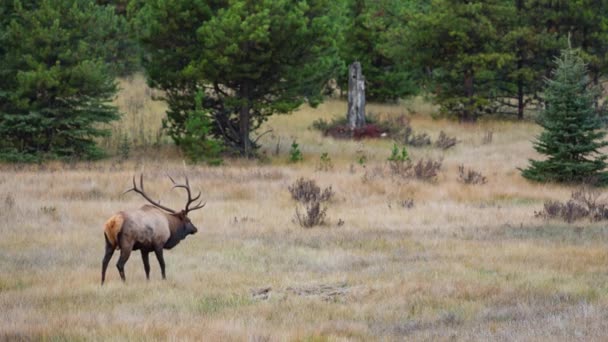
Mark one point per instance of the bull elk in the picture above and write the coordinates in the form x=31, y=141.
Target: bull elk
x=150, y=228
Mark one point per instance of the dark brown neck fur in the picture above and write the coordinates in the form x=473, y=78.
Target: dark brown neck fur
x=176, y=226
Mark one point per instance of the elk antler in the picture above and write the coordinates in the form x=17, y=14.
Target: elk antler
x=141, y=192
x=190, y=199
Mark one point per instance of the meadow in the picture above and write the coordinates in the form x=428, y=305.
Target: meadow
x=465, y=262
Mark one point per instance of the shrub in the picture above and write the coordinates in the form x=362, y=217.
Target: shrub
x=325, y=163
x=313, y=214
x=470, y=176
x=427, y=170
x=324, y=126
x=307, y=191
x=361, y=157
x=320, y=125
x=583, y=203
x=399, y=162
x=295, y=155
x=397, y=156
x=393, y=125
x=407, y=203
x=416, y=140
x=445, y=142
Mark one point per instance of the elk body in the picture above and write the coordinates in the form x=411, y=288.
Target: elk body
x=150, y=228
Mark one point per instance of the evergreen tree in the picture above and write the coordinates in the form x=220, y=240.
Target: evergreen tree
x=198, y=143
x=368, y=40
x=583, y=21
x=571, y=138
x=534, y=46
x=458, y=44
x=253, y=58
x=167, y=32
x=55, y=81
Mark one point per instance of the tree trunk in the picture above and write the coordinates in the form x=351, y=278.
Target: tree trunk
x=467, y=113
x=520, y=64
x=520, y=100
x=244, y=119
x=356, y=96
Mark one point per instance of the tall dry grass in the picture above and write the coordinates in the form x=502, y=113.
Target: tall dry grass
x=141, y=123
x=464, y=263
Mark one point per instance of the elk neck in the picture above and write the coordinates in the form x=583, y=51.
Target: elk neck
x=178, y=231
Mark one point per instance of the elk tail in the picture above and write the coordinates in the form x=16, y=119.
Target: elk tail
x=112, y=228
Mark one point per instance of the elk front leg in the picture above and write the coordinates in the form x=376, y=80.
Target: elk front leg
x=161, y=260
x=146, y=260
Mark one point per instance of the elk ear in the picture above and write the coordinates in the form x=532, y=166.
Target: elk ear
x=182, y=215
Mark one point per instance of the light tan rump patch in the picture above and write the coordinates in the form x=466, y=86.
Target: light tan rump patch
x=112, y=228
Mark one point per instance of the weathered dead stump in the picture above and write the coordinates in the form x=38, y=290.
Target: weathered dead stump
x=356, y=97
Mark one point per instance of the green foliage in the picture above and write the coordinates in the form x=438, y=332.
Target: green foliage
x=571, y=138
x=458, y=42
x=55, y=81
x=397, y=156
x=533, y=45
x=198, y=143
x=121, y=46
x=325, y=162
x=295, y=155
x=361, y=158
x=482, y=57
x=254, y=59
x=369, y=26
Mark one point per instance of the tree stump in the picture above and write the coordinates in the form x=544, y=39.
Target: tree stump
x=356, y=97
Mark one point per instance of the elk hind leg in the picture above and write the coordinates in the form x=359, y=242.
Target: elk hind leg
x=106, y=259
x=124, y=256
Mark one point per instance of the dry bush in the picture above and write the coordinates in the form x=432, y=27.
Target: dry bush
x=424, y=169
x=400, y=168
x=407, y=203
x=416, y=140
x=325, y=163
x=307, y=191
x=427, y=170
x=569, y=211
x=470, y=176
x=487, y=137
x=583, y=203
x=445, y=142
x=9, y=201
x=313, y=215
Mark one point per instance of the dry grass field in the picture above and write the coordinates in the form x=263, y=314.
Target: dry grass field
x=466, y=262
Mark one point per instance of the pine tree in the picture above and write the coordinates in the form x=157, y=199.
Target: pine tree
x=368, y=40
x=254, y=59
x=535, y=45
x=458, y=44
x=571, y=138
x=55, y=82
x=198, y=143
